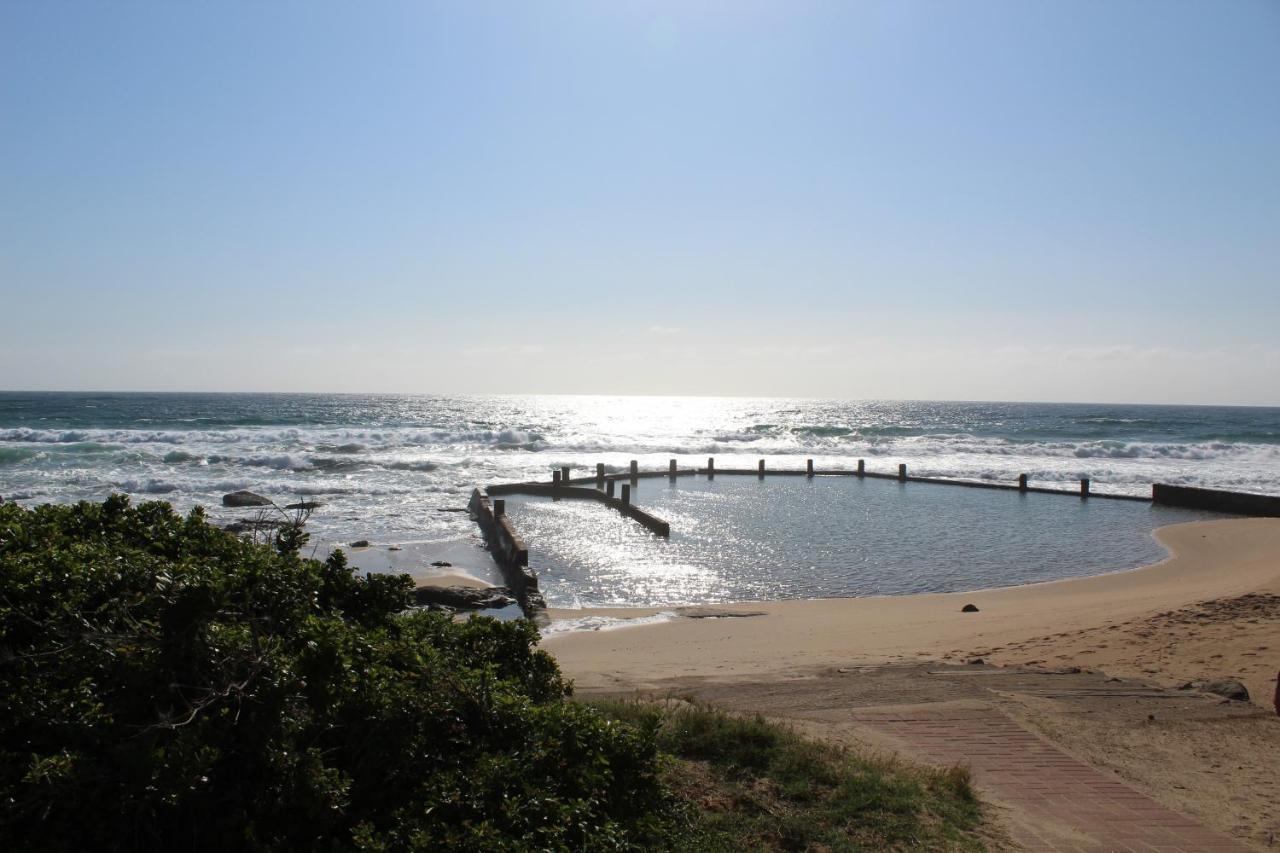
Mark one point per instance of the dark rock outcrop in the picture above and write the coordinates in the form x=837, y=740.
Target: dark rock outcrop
x=360, y=543
x=255, y=525
x=463, y=597
x=1228, y=688
x=969, y=608
x=244, y=498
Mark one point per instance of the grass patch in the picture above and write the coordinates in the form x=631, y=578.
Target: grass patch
x=749, y=784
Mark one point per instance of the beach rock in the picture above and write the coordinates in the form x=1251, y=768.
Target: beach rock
x=463, y=597
x=442, y=564
x=975, y=661
x=969, y=608
x=360, y=543
x=254, y=525
x=393, y=548
x=306, y=505
x=1228, y=688
x=244, y=498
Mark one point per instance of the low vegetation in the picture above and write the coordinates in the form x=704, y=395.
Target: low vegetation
x=755, y=785
x=167, y=685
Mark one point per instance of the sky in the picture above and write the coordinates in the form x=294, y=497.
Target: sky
x=1064, y=201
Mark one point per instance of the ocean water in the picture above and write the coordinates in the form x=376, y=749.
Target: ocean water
x=385, y=465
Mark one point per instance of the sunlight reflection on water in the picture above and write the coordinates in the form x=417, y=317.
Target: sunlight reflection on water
x=736, y=538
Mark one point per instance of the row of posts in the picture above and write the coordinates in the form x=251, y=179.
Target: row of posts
x=562, y=477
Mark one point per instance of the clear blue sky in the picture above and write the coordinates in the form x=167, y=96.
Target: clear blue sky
x=992, y=200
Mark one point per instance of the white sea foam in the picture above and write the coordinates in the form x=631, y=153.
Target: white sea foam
x=605, y=623
x=383, y=466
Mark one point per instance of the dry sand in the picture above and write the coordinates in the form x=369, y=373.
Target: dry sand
x=1212, y=609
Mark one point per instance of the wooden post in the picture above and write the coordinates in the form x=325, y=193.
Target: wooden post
x=902, y=471
x=499, y=508
x=599, y=475
x=555, y=479
x=809, y=467
x=564, y=476
x=608, y=488
x=862, y=467
x=626, y=494
x=761, y=469
x=635, y=469
x=672, y=469
x=711, y=467
x=1084, y=487
x=1022, y=482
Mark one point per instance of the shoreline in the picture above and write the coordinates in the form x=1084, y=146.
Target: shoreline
x=1207, y=560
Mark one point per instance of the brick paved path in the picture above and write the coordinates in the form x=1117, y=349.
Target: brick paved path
x=1057, y=803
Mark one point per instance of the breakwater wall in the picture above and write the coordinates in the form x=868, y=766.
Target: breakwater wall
x=557, y=491
x=1022, y=484
x=508, y=551
x=1240, y=503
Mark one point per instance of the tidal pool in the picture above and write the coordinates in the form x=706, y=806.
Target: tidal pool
x=738, y=538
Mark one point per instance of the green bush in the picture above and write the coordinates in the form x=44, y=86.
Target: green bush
x=165, y=685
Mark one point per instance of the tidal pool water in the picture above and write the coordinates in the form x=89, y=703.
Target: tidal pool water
x=738, y=538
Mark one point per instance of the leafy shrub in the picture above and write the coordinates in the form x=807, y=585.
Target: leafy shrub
x=165, y=685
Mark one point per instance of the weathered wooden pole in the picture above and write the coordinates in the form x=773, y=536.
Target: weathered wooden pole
x=809, y=467
x=608, y=488
x=672, y=469
x=555, y=479
x=902, y=471
x=564, y=476
x=711, y=467
x=626, y=494
x=1022, y=482
x=862, y=467
x=599, y=475
x=635, y=469
x=1084, y=487
x=499, y=507
x=761, y=469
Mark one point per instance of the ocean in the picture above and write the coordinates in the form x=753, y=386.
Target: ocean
x=386, y=465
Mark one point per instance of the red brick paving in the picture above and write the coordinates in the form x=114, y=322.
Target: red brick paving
x=1057, y=802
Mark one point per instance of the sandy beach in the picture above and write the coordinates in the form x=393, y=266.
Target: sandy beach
x=1208, y=560
x=1210, y=610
